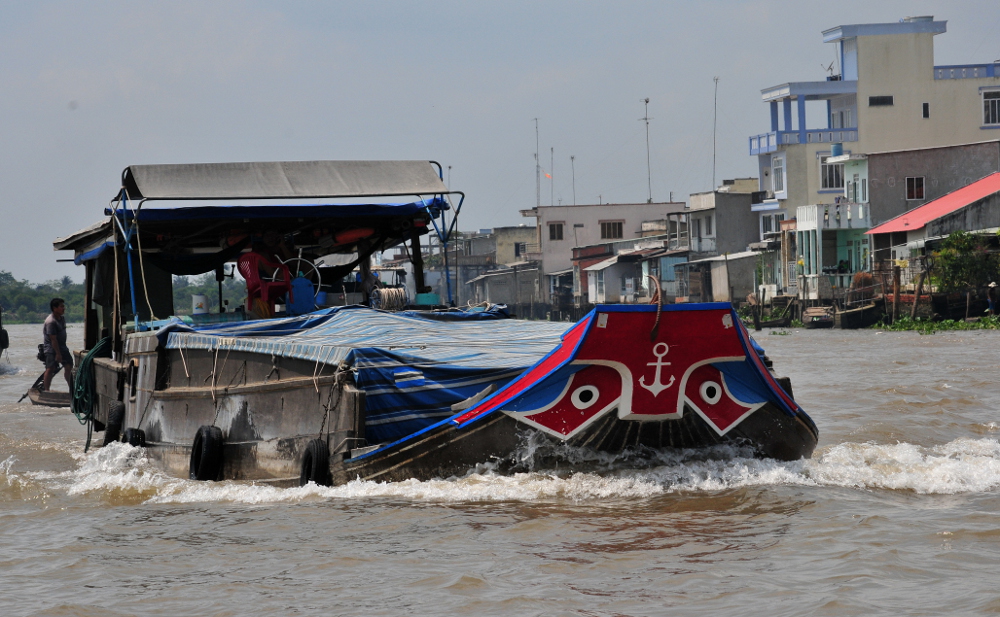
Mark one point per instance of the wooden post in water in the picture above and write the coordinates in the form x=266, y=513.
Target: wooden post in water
x=916, y=296
x=895, y=293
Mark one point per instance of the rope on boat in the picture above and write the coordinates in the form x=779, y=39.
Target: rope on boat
x=659, y=307
x=85, y=387
x=389, y=298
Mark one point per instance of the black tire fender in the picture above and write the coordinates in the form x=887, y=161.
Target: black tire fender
x=135, y=437
x=206, y=454
x=316, y=464
x=113, y=427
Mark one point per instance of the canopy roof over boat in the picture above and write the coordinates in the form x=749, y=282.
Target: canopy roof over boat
x=283, y=180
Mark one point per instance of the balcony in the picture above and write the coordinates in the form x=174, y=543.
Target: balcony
x=769, y=142
x=833, y=216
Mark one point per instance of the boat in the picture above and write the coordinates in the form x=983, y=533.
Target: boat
x=778, y=322
x=49, y=398
x=817, y=317
x=859, y=317
x=337, y=393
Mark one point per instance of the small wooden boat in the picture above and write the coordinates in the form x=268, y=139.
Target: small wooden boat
x=49, y=398
x=780, y=322
x=860, y=317
x=818, y=317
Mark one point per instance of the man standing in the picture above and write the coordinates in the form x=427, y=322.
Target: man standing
x=54, y=344
x=991, y=298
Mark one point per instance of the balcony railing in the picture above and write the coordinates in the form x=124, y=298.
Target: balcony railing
x=833, y=216
x=769, y=142
x=967, y=71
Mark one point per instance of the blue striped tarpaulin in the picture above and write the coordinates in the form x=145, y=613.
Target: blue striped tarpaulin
x=412, y=368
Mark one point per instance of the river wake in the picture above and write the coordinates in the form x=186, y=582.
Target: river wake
x=121, y=473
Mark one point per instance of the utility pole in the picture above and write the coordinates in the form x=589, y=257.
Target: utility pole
x=715, y=122
x=649, y=171
x=552, y=176
x=538, y=171
x=572, y=164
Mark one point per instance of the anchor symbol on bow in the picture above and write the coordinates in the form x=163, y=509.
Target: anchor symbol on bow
x=656, y=387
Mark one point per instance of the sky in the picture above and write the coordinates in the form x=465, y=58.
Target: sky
x=87, y=89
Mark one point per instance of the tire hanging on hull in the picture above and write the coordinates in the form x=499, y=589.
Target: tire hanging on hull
x=206, y=454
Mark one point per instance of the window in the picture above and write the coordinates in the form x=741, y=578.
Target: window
x=864, y=190
x=927, y=110
x=778, y=175
x=991, y=107
x=831, y=175
x=708, y=225
x=880, y=101
x=771, y=223
x=915, y=188
x=555, y=231
x=611, y=230
x=520, y=248
x=697, y=228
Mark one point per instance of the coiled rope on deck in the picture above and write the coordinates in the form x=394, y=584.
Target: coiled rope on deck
x=85, y=387
x=389, y=298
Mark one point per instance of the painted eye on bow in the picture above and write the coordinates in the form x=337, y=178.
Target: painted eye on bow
x=710, y=392
x=584, y=396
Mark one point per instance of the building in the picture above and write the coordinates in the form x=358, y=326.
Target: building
x=886, y=95
x=562, y=228
x=722, y=220
x=973, y=208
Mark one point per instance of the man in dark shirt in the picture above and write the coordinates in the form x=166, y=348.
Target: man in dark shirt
x=54, y=344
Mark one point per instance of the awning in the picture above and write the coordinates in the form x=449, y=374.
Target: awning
x=918, y=217
x=283, y=180
x=602, y=264
x=93, y=253
x=284, y=211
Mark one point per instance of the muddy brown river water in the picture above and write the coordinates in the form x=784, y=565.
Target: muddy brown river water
x=898, y=512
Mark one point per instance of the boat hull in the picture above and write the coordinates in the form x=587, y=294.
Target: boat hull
x=621, y=379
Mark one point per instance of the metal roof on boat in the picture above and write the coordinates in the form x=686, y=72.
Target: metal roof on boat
x=283, y=180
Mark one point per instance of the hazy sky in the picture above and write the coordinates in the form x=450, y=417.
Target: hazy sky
x=89, y=88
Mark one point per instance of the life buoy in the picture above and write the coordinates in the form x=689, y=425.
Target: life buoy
x=316, y=464
x=113, y=427
x=135, y=437
x=206, y=454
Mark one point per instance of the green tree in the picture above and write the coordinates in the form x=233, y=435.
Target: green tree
x=964, y=262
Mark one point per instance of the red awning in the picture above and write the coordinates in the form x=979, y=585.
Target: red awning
x=921, y=215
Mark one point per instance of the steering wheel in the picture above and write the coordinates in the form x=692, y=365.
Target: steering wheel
x=300, y=261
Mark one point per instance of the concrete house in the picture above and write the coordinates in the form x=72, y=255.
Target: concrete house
x=887, y=96
x=562, y=228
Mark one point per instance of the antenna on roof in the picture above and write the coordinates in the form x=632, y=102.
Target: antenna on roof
x=828, y=69
x=649, y=173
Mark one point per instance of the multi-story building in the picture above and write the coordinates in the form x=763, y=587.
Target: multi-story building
x=562, y=228
x=721, y=221
x=888, y=96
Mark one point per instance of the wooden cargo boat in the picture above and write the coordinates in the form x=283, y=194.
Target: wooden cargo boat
x=353, y=392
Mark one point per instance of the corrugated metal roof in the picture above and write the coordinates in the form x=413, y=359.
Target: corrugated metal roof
x=918, y=217
x=282, y=180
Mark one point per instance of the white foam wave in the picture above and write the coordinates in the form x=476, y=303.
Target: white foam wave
x=961, y=466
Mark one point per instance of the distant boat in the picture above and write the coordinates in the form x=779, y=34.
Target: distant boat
x=818, y=317
x=860, y=317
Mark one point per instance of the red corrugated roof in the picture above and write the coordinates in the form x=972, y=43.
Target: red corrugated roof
x=920, y=216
